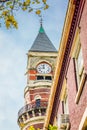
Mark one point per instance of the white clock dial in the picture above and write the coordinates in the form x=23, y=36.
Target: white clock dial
x=44, y=68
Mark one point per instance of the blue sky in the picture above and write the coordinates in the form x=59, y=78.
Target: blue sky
x=14, y=44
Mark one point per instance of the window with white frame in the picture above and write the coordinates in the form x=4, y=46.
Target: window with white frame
x=64, y=98
x=66, y=109
x=79, y=64
x=77, y=55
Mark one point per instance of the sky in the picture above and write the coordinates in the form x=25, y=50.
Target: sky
x=14, y=45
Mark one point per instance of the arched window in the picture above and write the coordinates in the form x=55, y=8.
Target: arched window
x=37, y=100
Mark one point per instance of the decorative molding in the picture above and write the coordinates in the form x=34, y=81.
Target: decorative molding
x=28, y=88
x=34, y=61
x=36, y=54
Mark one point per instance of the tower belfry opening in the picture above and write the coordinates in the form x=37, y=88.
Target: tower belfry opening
x=40, y=72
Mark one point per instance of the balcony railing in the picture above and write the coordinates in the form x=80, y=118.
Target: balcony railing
x=32, y=106
x=63, y=121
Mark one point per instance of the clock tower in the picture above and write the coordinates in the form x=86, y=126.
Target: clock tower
x=40, y=72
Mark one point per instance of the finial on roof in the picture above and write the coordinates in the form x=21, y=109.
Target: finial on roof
x=41, y=21
x=41, y=27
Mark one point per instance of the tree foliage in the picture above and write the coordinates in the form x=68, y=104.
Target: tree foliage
x=32, y=128
x=8, y=7
x=50, y=127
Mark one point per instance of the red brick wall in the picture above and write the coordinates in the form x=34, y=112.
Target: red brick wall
x=32, y=77
x=43, y=95
x=43, y=92
x=75, y=110
x=39, y=125
x=32, y=74
x=83, y=34
x=32, y=71
x=40, y=90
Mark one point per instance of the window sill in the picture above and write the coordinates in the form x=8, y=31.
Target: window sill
x=83, y=79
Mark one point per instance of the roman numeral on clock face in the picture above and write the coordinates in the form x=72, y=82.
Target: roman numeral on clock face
x=44, y=68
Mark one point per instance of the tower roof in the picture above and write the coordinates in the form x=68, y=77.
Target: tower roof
x=42, y=43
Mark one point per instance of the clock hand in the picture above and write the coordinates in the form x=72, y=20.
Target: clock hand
x=43, y=66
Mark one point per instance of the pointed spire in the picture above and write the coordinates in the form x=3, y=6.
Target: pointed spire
x=42, y=43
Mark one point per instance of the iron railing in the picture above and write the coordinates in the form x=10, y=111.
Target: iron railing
x=32, y=106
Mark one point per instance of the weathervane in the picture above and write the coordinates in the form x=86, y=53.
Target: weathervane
x=41, y=20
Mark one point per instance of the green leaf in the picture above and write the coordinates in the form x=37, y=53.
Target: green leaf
x=38, y=12
x=50, y=127
x=20, y=4
x=24, y=3
x=9, y=3
x=30, y=10
x=44, y=1
x=33, y=2
x=46, y=7
x=1, y=8
x=37, y=1
x=24, y=8
x=11, y=7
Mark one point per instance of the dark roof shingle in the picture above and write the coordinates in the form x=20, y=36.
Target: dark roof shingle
x=42, y=43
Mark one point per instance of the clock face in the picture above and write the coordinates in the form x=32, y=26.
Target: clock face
x=44, y=68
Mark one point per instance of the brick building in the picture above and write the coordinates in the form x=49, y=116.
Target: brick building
x=68, y=100
x=40, y=72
